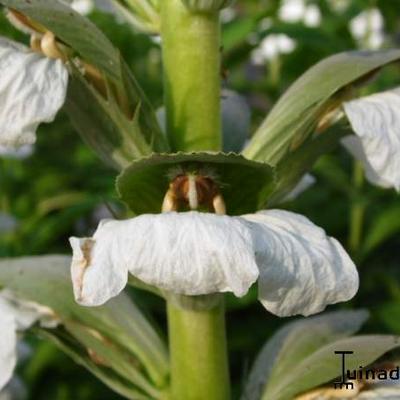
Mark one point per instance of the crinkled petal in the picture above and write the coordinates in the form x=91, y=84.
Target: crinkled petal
x=32, y=90
x=302, y=270
x=8, y=346
x=187, y=253
x=376, y=121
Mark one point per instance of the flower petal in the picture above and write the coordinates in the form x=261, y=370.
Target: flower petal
x=188, y=253
x=302, y=270
x=26, y=313
x=376, y=121
x=8, y=346
x=32, y=90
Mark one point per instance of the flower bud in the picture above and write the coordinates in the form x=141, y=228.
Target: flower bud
x=206, y=5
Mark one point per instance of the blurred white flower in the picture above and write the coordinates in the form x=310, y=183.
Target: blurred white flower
x=32, y=90
x=272, y=46
x=14, y=390
x=83, y=7
x=299, y=11
x=300, y=270
x=375, y=121
x=7, y=223
x=19, y=153
x=16, y=316
x=228, y=14
x=367, y=28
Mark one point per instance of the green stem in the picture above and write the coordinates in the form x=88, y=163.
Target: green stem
x=357, y=210
x=199, y=362
x=191, y=58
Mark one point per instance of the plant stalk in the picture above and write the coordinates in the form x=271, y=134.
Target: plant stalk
x=192, y=77
x=198, y=351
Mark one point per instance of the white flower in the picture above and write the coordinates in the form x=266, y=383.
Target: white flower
x=299, y=268
x=298, y=11
x=15, y=316
x=272, y=46
x=367, y=28
x=32, y=90
x=376, y=122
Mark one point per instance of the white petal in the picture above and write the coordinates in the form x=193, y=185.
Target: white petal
x=8, y=346
x=32, y=90
x=354, y=146
x=26, y=313
x=187, y=253
x=302, y=270
x=376, y=121
x=305, y=183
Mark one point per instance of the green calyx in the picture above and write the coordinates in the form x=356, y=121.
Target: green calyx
x=245, y=185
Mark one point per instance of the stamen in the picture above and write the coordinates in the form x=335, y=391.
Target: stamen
x=219, y=205
x=50, y=48
x=35, y=43
x=192, y=192
x=169, y=203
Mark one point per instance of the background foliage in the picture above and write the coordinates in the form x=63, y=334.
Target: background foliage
x=62, y=189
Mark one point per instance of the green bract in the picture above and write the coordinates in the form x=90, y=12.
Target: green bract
x=144, y=183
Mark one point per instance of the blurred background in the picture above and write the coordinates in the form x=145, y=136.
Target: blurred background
x=58, y=188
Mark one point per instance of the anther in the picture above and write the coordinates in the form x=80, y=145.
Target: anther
x=50, y=48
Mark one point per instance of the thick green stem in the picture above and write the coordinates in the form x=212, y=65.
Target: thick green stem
x=199, y=363
x=191, y=58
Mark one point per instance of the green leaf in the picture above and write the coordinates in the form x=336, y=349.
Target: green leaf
x=245, y=184
x=318, y=91
x=295, y=342
x=70, y=346
x=323, y=365
x=117, y=331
